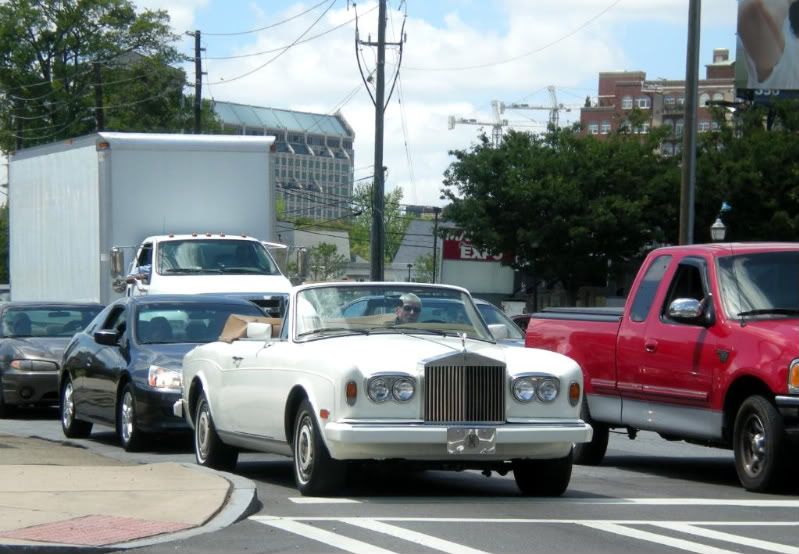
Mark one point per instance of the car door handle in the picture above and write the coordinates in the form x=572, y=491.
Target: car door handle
x=651, y=345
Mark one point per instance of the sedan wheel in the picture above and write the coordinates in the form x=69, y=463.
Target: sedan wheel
x=131, y=438
x=72, y=427
x=209, y=450
x=759, y=443
x=316, y=473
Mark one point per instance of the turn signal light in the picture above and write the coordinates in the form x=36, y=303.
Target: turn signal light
x=574, y=393
x=793, y=377
x=351, y=393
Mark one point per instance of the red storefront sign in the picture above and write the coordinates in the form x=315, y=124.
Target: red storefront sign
x=455, y=249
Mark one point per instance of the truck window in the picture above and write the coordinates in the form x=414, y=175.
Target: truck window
x=145, y=255
x=687, y=283
x=648, y=288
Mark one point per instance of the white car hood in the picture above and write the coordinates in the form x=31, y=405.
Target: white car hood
x=198, y=284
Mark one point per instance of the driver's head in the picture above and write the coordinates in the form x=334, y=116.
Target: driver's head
x=409, y=307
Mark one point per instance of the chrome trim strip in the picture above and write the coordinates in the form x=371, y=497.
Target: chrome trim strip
x=790, y=401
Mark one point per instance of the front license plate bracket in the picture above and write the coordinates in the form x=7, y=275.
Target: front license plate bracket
x=471, y=440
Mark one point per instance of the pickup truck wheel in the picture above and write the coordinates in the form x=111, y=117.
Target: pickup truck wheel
x=72, y=427
x=543, y=477
x=760, y=447
x=130, y=436
x=591, y=453
x=209, y=450
x=316, y=473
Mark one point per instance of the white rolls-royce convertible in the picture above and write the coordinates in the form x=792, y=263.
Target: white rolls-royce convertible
x=403, y=372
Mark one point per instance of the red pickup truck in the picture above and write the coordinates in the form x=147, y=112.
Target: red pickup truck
x=705, y=350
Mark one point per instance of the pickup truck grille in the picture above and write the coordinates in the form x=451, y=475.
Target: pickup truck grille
x=456, y=393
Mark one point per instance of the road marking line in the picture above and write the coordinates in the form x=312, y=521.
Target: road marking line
x=320, y=535
x=729, y=537
x=411, y=536
x=322, y=500
x=540, y=520
x=682, y=544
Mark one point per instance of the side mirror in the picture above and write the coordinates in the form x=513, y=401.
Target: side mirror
x=498, y=331
x=302, y=263
x=692, y=310
x=117, y=262
x=259, y=331
x=106, y=337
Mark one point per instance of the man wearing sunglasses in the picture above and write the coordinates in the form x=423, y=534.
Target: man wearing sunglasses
x=408, y=309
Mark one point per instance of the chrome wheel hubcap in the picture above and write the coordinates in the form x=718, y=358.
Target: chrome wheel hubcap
x=68, y=406
x=202, y=435
x=304, y=454
x=127, y=417
x=754, y=446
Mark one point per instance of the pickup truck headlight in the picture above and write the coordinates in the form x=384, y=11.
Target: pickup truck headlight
x=163, y=379
x=528, y=387
x=384, y=387
x=793, y=377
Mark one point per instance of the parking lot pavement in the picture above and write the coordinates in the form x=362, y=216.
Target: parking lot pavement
x=56, y=495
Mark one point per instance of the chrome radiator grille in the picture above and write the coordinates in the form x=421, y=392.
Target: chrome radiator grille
x=464, y=393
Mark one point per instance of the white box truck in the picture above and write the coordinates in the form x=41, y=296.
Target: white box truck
x=83, y=213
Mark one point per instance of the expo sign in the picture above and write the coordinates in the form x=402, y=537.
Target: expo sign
x=456, y=249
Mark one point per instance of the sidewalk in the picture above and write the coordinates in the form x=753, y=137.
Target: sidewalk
x=57, y=496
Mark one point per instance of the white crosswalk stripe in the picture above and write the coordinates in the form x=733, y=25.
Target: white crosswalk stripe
x=682, y=544
x=321, y=535
x=412, y=536
x=729, y=537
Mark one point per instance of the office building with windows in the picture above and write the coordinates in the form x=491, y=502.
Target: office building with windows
x=313, y=158
x=662, y=101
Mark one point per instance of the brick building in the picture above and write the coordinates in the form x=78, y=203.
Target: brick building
x=662, y=101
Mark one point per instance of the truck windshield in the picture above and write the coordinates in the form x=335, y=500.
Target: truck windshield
x=214, y=256
x=760, y=285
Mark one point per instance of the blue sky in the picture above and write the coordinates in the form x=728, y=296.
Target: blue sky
x=459, y=55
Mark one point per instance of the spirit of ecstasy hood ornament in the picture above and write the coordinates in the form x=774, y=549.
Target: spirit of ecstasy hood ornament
x=463, y=341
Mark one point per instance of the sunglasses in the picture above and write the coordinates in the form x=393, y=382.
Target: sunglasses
x=410, y=309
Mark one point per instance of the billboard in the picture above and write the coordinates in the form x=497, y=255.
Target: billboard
x=767, y=54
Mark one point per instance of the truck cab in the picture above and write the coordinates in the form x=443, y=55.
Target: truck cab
x=235, y=265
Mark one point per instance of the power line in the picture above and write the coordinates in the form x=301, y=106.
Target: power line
x=530, y=53
x=270, y=26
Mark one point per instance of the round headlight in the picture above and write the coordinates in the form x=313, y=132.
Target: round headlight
x=523, y=389
x=547, y=390
x=402, y=390
x=378, y=390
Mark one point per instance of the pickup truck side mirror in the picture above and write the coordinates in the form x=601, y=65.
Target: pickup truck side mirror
x=691, y=310
x=106, y=337
x=117, y=262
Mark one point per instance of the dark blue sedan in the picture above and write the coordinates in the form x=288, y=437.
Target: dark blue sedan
x=124, y=369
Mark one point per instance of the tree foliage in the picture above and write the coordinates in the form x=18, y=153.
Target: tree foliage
x=325, y=262
x=48, y=52
x=395, y=223
x=423, y=268
x=564, y=203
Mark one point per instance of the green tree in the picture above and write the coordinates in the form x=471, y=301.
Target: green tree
x=567, y=205
x=48, y=52
x=325, y=263
x=395, y=223
x=423, y=268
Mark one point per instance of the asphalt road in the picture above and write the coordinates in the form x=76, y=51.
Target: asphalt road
x=649, y=495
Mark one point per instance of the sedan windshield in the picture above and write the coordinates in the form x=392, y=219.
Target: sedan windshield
x=214, y=257
x=370, y=309
x=760, y=285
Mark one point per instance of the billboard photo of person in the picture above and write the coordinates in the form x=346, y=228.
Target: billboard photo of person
x=767, y=34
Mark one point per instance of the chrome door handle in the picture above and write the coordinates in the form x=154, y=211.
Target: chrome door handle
x=651, y=345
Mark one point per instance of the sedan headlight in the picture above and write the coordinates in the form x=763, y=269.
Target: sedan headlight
x=384, y=387
x=528, y=387
x=34, y=365
x=164, y=379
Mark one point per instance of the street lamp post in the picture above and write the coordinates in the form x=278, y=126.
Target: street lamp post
x=409, y=272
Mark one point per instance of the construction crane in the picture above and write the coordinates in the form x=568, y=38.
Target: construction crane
x=499, y=108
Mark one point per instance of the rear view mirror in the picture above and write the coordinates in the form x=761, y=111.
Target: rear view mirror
x=258, y=330
x=685, y=308
x=117, y=262
x=106, y=337
x=498, y=331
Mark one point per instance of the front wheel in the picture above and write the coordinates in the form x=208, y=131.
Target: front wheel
x=759, y=443
x=543, y=477
x=591, y=453
x=316, y=473
x=131, y=438
x=72, y=427
x=209, y=450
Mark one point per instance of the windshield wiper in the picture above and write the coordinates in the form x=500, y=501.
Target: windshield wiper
x=185, y=270
x=770, y=311
x=325, y=330
x=442, y=332
x=247, y=270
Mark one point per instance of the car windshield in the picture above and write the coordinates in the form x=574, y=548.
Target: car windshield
x=172, y=323
x=43, y=321
x=214, y=257
x=367, y=309
x=760, y=285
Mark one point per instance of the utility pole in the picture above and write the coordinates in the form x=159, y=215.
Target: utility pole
x=688, y=184
x=198, y=83
x=436, y=211
x=99, y=113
